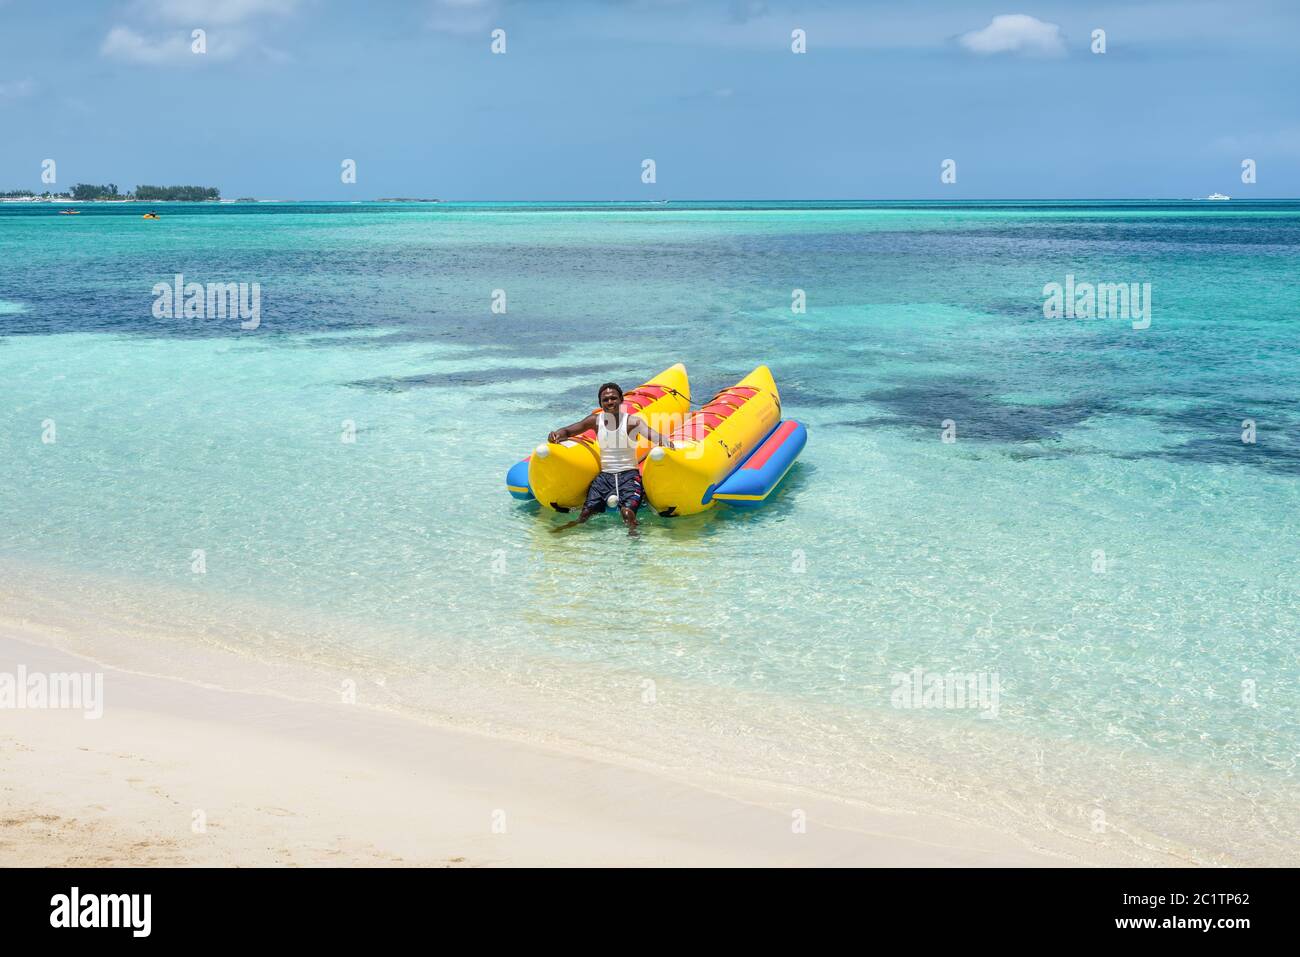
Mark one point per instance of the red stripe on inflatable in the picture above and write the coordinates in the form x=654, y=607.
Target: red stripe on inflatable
x=644, y=395
x=768, y=448
x=698, y=424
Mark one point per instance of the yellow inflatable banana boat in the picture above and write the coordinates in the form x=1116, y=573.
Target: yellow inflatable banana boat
x=712, y=444
x=558, y=474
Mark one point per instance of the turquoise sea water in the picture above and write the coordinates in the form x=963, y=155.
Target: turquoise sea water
x=1098, y=536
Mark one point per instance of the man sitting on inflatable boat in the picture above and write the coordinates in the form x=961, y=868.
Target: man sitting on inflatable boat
x=619, y=482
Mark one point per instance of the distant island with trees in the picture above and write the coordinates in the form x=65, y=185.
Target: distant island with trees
x=88, y=192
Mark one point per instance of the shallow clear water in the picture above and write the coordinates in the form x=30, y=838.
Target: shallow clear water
x=887, y=549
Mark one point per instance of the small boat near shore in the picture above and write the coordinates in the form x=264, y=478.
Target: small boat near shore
x=736, y=450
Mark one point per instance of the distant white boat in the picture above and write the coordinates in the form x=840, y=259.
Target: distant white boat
x=1218, y=196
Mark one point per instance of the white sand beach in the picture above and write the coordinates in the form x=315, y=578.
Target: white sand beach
x=279, y=782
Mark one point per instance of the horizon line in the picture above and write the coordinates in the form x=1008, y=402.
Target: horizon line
x=660, y=202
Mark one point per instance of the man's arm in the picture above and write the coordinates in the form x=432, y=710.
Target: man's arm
x=636, y=426
x=582, y=425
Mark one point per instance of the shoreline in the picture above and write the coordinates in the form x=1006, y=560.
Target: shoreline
x=274, y=782
x=866, y=204
x=735, y=746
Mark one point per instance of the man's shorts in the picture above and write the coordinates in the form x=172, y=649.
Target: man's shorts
x=630, y=493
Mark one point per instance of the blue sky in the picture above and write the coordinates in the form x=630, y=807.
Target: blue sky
x=710, y=90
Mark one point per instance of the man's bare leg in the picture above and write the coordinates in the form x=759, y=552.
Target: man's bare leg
x=577, y=521
x=629, y=516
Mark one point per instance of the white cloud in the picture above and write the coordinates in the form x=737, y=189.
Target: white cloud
x=462, y=16
x=1016, y=33
x=168, y=25
x=123, y=43
x=200, y=13
x=16, y=89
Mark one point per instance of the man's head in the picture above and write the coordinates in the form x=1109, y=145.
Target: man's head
x=610, y=397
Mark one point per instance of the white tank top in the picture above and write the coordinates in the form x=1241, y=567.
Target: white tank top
x=617, y=448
